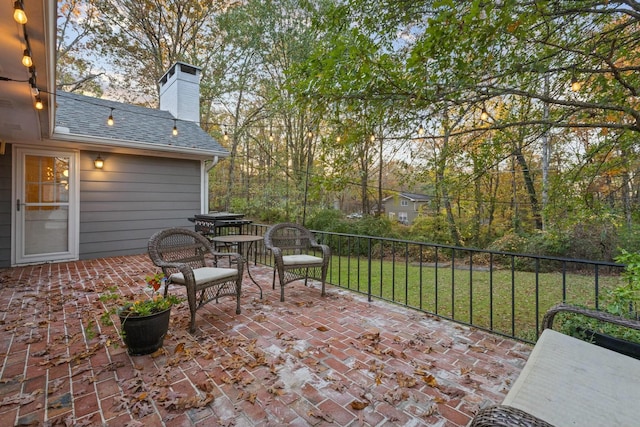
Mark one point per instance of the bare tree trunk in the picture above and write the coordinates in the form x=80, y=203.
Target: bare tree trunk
x=528, y=183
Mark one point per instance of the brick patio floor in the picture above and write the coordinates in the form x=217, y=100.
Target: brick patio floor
x=337, y=360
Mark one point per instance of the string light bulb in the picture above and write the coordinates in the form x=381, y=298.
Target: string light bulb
x=110, y=119
x=175, y=128
x=26, y=58
x=271, y=136
x=484, y=116
x=309, y=133
x=420, y=130
x=19, y=14
x=372, y=138
x=338, y=138
x=39, y=105
x=225, y=136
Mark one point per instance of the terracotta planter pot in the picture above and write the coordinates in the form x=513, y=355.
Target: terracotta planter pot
x=144, y=334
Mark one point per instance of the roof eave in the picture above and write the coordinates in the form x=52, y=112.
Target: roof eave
x=98, y=143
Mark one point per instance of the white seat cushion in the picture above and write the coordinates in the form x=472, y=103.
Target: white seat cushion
x=300, y=259
x=570, y=383
x=205, y=274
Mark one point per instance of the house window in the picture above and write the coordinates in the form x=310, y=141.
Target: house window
x=404, y=202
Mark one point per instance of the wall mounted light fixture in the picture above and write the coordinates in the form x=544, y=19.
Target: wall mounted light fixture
x=98, y=162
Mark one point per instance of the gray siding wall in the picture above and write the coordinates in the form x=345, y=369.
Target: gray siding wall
x=5, y=207
x=123, y=204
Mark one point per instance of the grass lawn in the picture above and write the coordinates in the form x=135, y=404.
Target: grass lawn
x=508, y=303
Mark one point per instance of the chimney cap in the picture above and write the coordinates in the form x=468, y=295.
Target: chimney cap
x=184, y=67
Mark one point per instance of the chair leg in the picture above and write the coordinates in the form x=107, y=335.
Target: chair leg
x=191, y=299
x=273, y=284
x=281, y=293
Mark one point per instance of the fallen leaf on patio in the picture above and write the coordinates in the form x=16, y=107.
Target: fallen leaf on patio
x=405, y=380
x=159, y=352
x=19, y=398
x=430, y=380
x=477, y=348
x=322, y=328
x=372, y=334
x=358, y=405
x=142, y=396
x=464, y=371
x=260, y=318
x=55, y=385
x=451, y=391
x=322, y=416
x=389, y=352
x=192, y=402
x=275, y=391
x=394, y=396
x=90, y=379
x=252, y=398
x=206, y=386
x=110, y=367
x=179, y=348
x=134, y=423
x=431, y=410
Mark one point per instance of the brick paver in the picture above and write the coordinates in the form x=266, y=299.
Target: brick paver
x=332, y=361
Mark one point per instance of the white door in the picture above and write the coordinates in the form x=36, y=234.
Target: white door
x=45, y=206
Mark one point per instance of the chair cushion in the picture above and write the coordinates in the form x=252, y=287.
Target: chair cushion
x=206, y=274
x=300, y=259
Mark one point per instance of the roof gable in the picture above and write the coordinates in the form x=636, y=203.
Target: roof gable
x=86, y=116
x=414, y=197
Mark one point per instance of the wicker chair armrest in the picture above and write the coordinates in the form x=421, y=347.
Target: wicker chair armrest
x=164, y=264
x=276, y=251
x=506, y=416
x=547, y=321
x=326, y=251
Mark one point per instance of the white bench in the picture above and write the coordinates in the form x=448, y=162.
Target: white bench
x=570, y=382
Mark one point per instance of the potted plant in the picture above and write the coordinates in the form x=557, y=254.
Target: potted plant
x=143, y=322
x=620, y=301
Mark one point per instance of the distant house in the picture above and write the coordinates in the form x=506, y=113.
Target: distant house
x=73, y=184
x=405, y=207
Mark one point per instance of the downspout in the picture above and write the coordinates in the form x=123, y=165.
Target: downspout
x=205, y=190
x=215, y=161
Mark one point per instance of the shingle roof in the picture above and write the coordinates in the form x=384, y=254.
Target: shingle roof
x=87, y=116
x=414, y=197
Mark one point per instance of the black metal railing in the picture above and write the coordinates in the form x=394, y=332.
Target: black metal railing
x=505, y=293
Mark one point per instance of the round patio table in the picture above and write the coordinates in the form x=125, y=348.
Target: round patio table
x=241, y=240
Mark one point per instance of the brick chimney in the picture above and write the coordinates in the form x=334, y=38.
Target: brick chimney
x=180, y=92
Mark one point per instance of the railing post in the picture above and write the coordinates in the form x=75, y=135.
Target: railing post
x=369, y=273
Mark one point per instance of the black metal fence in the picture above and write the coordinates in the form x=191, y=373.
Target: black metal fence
x=505, y=293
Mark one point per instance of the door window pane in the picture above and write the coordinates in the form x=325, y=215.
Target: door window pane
x=46, y=229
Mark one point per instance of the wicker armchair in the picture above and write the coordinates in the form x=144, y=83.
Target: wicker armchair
x=505, y=415
x=297, y=255
x=181, y=255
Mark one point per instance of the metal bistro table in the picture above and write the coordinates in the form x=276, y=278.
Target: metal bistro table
x=240, y=240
